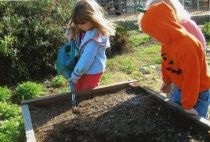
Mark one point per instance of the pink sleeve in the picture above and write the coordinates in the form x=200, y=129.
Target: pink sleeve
x=193, y=28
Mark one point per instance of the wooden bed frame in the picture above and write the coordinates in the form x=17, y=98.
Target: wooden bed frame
x=202, y=123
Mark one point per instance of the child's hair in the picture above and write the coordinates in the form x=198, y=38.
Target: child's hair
x=181, y=13
x=90, y=10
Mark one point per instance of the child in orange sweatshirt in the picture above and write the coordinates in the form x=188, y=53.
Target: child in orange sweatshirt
x=183, y=60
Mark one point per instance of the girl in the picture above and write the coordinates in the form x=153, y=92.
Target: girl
x=183, y=59
x=173, y=92
x=184, y=19
x=93, y=30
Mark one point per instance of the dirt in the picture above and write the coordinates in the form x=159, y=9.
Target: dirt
x=130, y=115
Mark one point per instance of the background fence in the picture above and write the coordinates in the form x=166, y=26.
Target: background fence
x=125, y=10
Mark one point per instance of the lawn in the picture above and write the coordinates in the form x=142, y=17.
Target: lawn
x=128, y=66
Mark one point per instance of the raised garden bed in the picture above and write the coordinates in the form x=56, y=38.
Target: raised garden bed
x=124, y=112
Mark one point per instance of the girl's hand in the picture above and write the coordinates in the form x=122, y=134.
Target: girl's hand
x=165, y=88
x=70, y=30
x=72, y=80
x=69, y=35
x=191, y=111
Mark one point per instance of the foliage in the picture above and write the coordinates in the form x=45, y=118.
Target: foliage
x=5, y=94
x=206, y=30
x=8, y=111
x=58, y=81
x=10, y=130
x=28, y=90
x=119, y=42
x=30, y=32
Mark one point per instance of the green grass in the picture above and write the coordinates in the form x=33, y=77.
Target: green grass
x=126, y=66
x=129, y=63
x=137, y=38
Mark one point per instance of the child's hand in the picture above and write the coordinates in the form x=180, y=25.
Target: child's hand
x=69, y=34
x=191, y=111
x=165, y=88
x=70, y=30
x=72, y=80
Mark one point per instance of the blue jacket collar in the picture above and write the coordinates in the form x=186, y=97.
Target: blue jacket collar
x=93, y=35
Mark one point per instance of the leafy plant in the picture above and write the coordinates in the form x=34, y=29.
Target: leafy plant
x=5, y=94
x=8, y=111
x=58, y=81
x=31, y=31
x=206, y=30
x=119, y=42
x=11, y=130
x=28, y=90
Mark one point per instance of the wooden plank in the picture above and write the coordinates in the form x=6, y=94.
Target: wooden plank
x=30, y=137
x=60, y=97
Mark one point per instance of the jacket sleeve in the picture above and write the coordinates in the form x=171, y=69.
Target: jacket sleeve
x=166, y=79
x=86, y=59
x=191, y=64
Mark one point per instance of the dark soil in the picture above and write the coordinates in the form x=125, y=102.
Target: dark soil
x=125, y=116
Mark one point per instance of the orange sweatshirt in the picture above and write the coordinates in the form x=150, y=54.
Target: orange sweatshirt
x=183, y=59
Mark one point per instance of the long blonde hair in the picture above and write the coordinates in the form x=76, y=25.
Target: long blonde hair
x=90, y=10
x=181, y=13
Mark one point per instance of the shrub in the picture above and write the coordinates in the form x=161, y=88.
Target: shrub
x=119, y=42
x=28, y=90
x=206, y=30
x=8, y=111
x=5, y=94
x=30, y=33
x=11, y=130
x=58, y=81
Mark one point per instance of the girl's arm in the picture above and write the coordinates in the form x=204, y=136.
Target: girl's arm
x=191, y=65
x=85, y=61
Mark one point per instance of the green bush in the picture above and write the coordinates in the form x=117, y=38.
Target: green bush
x=5, y=94
x=58, y=81
x=28, y=90
x=8, y=111
x=206, y=30
x=11, y=130
x=119, y=42
x=30, y=33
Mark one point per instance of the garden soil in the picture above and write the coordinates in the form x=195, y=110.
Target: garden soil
x=129, y=115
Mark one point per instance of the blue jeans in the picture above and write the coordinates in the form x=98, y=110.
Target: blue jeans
x=202, y=104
